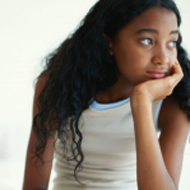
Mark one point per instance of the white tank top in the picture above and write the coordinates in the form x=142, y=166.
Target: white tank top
x=109, y=150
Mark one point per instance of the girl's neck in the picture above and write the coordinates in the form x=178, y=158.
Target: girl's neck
x=119, y=91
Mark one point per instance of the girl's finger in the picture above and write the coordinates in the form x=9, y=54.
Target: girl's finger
x=177, y=73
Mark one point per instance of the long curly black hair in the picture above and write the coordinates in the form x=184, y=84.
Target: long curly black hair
x=82, y=66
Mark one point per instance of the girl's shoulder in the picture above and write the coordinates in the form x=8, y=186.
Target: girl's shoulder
x=171, y=113
x=40, y=84
x=42, y=79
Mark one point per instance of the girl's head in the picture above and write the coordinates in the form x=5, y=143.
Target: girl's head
x=100, y=28
x=146, y=47
x=100, y=50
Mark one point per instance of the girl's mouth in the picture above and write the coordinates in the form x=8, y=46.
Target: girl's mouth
x=157, y=74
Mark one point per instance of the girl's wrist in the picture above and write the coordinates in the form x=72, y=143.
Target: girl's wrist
x=140, y=93
x=140, y=100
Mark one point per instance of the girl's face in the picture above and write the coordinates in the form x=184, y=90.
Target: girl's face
x=145, y=48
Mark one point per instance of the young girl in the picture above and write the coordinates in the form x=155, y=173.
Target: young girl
x=103, y=95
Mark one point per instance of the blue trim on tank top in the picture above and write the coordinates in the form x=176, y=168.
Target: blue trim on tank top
x=157, y=115
x=100, y=107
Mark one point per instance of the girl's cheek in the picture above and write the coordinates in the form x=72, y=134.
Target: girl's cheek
x=173, y=56
x=175, y=53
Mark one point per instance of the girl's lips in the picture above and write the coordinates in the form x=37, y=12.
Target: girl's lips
x=157, y=74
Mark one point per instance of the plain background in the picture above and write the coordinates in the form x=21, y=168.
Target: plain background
x=29, y=31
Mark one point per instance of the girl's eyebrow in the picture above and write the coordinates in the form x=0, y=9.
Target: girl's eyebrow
x=144, y=30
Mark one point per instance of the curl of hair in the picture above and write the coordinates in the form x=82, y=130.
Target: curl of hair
x=182, y=90
x=82, y=66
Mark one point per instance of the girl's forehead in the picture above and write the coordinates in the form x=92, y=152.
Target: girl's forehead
x=155, y=17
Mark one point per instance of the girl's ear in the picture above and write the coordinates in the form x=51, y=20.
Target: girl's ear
x=110, y=44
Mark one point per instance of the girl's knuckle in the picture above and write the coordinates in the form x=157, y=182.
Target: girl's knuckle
x=169, y=84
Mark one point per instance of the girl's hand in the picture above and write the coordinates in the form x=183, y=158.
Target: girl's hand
x=159, y=88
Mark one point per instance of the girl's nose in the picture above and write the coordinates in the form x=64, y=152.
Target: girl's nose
x=160, y=56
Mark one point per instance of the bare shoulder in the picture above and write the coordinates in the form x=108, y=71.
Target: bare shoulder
x=173, y=121
x=171, y=112
x=41, y=82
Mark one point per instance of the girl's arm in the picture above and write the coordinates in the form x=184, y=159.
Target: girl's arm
x=37, y=178
x=159, y=162
x=175, y=128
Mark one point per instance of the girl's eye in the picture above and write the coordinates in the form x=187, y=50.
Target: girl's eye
x=173, y=44
x=146, y=41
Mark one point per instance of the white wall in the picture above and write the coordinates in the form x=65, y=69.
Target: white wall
x=29, y=31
